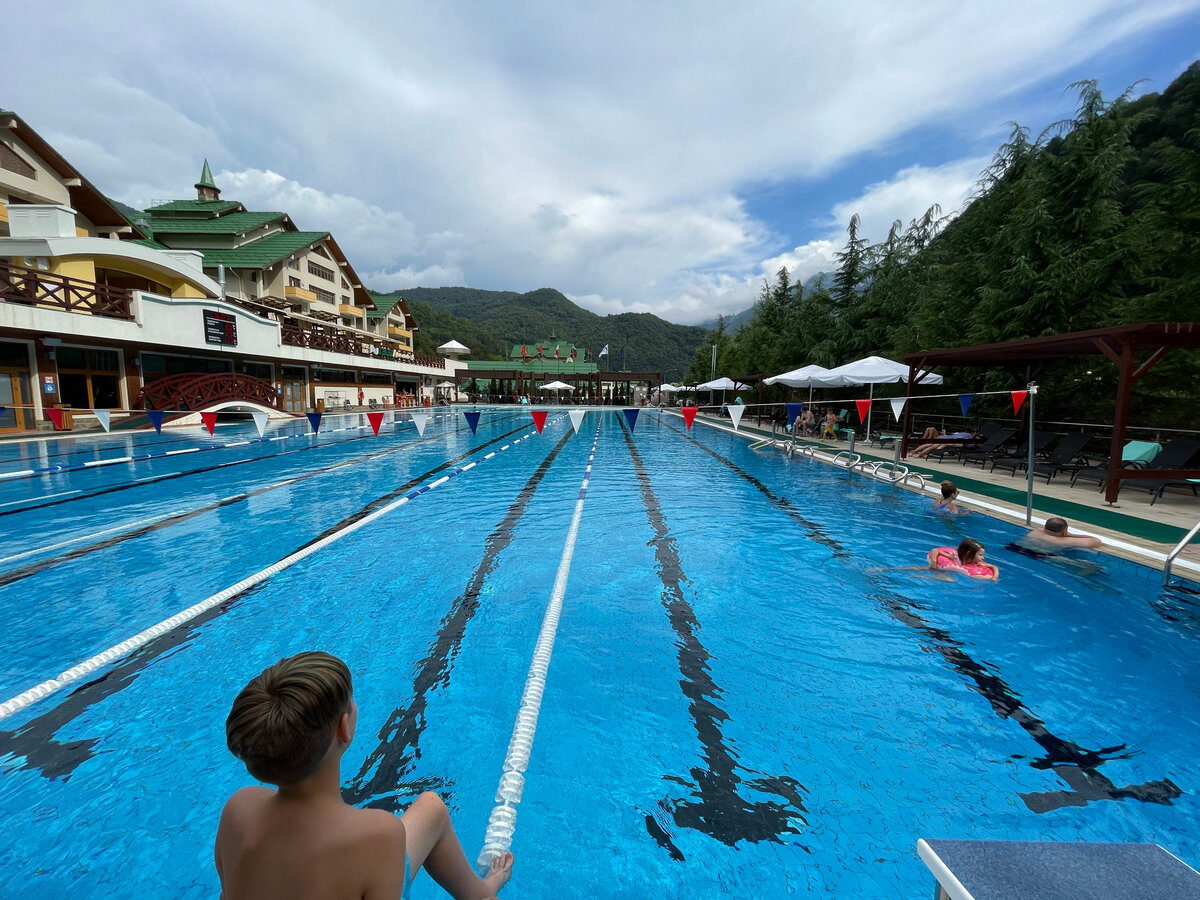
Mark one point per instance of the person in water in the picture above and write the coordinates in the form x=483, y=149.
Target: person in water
x=949, y=499
x=1056, y=533
x=290, y=726
x=967, y=560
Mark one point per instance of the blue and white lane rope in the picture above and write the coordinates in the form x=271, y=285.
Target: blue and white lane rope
x=502, y=822
x=87, y=667
x=163, y=454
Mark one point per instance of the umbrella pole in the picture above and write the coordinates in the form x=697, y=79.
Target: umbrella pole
x=870, y=398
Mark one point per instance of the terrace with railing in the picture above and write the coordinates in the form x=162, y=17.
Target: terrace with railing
x=34, y=287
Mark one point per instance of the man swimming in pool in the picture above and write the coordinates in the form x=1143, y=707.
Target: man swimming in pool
x=290, y=726
x=1056, y=533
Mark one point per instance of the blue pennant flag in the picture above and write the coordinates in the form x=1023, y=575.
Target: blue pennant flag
x=314, y=419
x=472, y=420
x=631, y=417
x=964, y=401
x=155, y=416
x=794, y=410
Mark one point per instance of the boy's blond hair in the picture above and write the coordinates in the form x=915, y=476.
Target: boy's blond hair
x=282, y=722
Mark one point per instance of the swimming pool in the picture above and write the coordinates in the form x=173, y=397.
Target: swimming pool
x=745, y=696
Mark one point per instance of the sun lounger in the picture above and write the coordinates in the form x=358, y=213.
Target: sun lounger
x=1020, y=459
x=1063, y=457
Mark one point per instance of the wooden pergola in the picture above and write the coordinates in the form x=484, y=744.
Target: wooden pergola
x=1122, y=345
x=596, y=380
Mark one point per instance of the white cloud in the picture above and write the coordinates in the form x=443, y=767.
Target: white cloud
x=598, y=149
x=408, y=277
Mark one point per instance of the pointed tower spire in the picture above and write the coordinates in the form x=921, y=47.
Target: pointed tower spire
x=206, y=189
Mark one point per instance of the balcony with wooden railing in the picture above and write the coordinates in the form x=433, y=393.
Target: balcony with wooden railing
x=311, y=336
x=34, y=287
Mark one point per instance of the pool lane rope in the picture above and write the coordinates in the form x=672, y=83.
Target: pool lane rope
x=502, y=822
x=87, y=667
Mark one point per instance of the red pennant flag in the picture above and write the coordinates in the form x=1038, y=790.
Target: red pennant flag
x=1018, y=399
x=864, y=407
x=539, y=418
x=689, y=415
x=376, y=419
x=56, y=416
x=210, y=421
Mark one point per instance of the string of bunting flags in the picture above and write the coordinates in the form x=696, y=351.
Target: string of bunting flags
x=897, y=403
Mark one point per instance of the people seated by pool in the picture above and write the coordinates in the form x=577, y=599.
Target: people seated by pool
x=290, y=726
x=805, y=421
x=1056, y=533
x=923, y=451
x=829, y=426
x=949, y=499
x=966, y=560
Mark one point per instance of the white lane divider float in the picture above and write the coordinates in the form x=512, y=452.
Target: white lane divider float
x=87, y=667
x=502, y=822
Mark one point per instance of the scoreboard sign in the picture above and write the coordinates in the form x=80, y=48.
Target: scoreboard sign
x=220, y=328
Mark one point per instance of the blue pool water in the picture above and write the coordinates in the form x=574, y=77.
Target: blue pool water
x=748, y=695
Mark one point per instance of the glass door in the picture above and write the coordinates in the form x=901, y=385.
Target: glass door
x=11, y=419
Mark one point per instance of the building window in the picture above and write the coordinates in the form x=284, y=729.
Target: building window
x=89, y=379
x=155, y=365
x=323, y=295
x=293, y=281
x=258, y=370
x=320, y=271
x=294, y=264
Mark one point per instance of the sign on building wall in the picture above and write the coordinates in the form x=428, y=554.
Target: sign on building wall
x=220, y=328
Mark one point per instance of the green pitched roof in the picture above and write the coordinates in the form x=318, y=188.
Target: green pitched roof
x=206, y=179
x=562, y=366
x=263, y=252
x=233, y=223
x=206, y=206
x=383, y=304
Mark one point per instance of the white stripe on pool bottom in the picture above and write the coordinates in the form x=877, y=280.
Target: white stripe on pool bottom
x=502, y=822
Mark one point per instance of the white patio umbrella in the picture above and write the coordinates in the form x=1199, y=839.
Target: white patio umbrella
x=669, y=388
x=452, y=348
x=556, y=386
x=871, y=370
x=722, y=385
x=805, y=376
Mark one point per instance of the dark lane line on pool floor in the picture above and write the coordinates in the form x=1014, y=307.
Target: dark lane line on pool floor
x=1076, y=766
x=170, y=476
x=379, y=782
x=34, y=740
x=13, y=575
x=719, y=811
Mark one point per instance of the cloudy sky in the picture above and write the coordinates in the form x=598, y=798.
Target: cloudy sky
x=646, y=157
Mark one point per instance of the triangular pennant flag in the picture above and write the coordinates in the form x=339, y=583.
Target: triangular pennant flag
x=1018, y=399
x=56, y=416
x=260, y=421
x=376, y=419
x=577, y=418
x=794, y=409
x=314, y=419
x=3, y=410
x=631, y=417
x=472, y=420
x=898, y=407
x=539, y=418
x=155, y=416
x=689, y=415
x=210, y=421
x=419, y=419
x=864, y=407
x=735, y=413
x=964, y=402
x=104, y=417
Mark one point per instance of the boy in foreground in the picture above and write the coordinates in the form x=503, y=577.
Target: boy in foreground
x=290, y=726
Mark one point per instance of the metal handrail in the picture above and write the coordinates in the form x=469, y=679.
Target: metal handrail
x=851, y=459
x=1187, y=539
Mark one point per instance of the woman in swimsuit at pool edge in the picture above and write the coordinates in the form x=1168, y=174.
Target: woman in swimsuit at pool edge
x=967, y=559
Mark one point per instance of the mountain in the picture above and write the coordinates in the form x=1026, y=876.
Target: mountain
x=736, y=320
x=488, y=321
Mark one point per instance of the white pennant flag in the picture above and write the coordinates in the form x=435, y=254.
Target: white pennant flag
x=577, y=418
x=735, y=413
x=104, y=417
x=419, y=419
x=898, y=407
x=260, y=422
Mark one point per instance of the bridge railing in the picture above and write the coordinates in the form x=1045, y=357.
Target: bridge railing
x=190, y=391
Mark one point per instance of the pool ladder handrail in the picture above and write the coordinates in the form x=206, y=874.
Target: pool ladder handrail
x=1187, y=539
x=846, y=459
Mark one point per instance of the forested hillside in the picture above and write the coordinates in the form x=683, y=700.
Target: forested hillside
x=487, y=321
x=1095, y=222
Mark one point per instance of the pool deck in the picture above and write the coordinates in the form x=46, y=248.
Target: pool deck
x=1131, y=528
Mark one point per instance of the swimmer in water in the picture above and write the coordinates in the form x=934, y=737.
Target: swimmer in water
x=966, y=560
